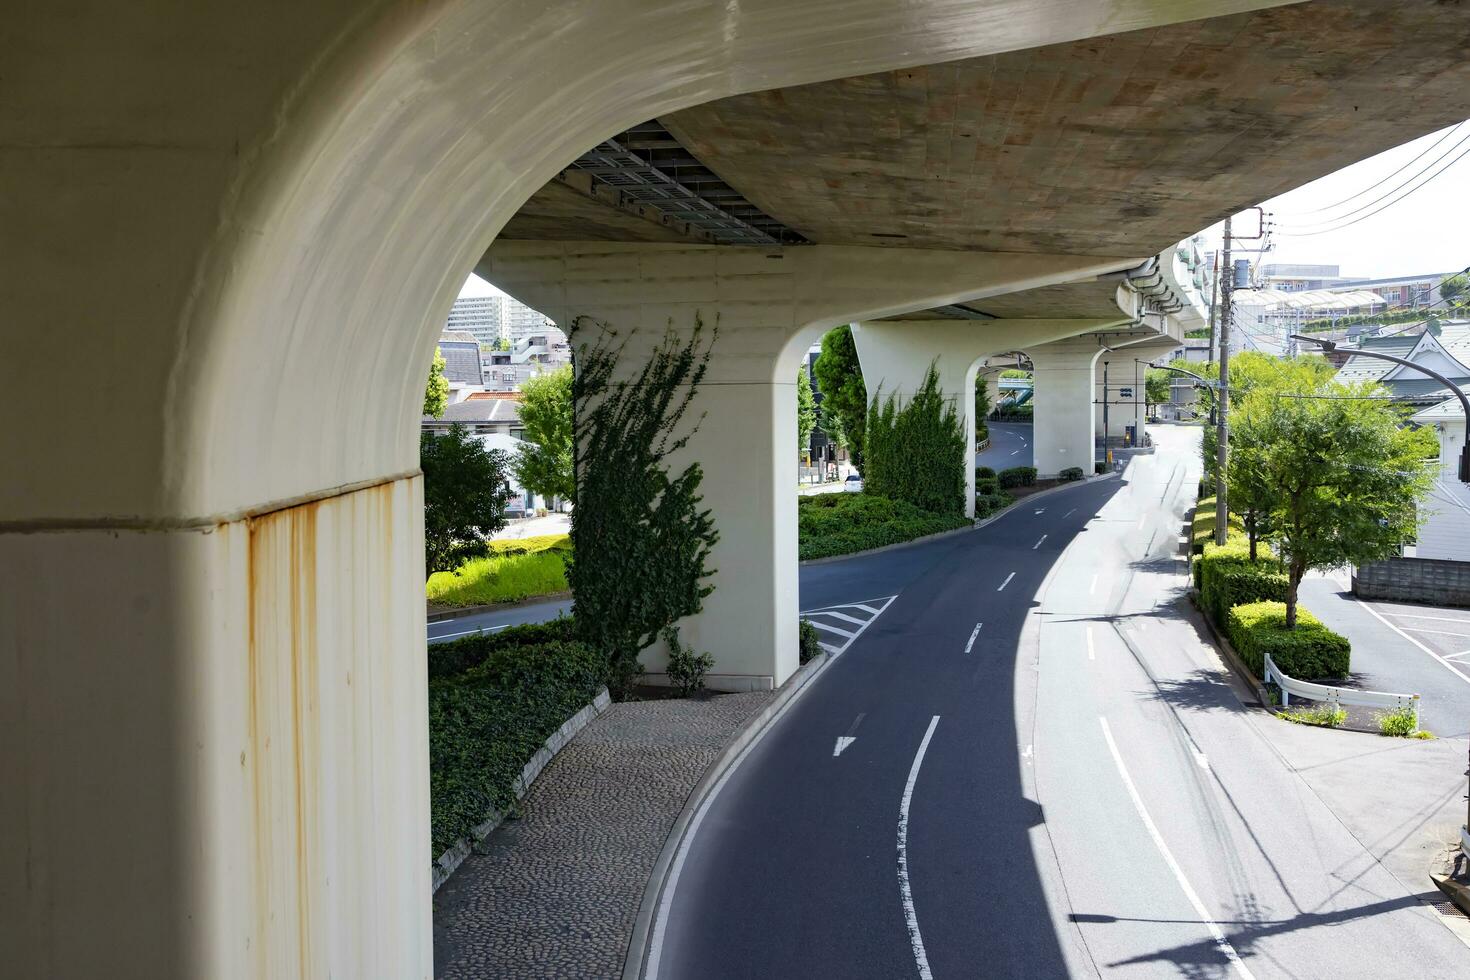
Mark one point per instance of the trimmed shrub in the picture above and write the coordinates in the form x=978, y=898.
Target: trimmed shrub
x=457, y=656
x=809, y=645
x=991, y=503
x=840, y=523
x=1017, y=476
x=487, y=722
x=1099, y=467
x=1226, y=577
x=989, y=485
x=1070, y=475
x=1309, y=652
x=983, y=472
x=1202, y=526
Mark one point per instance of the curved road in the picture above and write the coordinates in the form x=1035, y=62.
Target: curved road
x=1042, y=773
x=1010, y=445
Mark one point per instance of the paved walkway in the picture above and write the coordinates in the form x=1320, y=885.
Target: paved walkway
x=555, y=893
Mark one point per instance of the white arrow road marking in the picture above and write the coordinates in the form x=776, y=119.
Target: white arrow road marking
x=1038, y=544
x=906, y=893
x=1221, y=943
x=1006, y=582
x=973, y=634
x=843, y=741
x=1069, y=513
x=1041, y=510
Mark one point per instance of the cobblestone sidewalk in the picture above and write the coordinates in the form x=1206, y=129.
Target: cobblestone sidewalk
x=555, y=893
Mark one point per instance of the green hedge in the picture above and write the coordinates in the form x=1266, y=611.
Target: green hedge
x=987, y=485
x=840, y=523
x=1309, y=652
x=487, y=721
x=990, y=503
x=1070, y=474
x=1017, y=476
x=458, y=656
x=983, y=472
x=1226, y=577
x=1202, y=528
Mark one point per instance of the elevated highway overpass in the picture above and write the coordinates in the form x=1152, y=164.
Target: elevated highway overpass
x=255, y=226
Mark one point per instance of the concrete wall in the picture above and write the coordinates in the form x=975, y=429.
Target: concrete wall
x=1439, y=583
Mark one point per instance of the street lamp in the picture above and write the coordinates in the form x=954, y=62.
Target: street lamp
x=1328, y=346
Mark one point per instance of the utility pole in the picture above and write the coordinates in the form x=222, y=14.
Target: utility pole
x=1214, y=303
x=1222, y=396
x=1107, y=450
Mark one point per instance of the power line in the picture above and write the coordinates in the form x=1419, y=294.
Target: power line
x=1450, y=131
x=1325, y=231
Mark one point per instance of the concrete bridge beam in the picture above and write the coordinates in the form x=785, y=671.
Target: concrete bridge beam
x=769, y=306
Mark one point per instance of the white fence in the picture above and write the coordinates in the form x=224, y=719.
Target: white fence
x=1339, y=696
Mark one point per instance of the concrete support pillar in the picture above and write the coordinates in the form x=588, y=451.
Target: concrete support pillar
x=896, y=355
x=1064, y=415
x=770, y=305
x=1126, y=373
x=216, y=752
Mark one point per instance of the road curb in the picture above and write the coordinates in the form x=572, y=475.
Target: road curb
x=983, y=522
x=461, y=613
x=638, y=943
x=1231, y=658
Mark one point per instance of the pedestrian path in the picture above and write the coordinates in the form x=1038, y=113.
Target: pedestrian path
x=839, y=626
x=554, y=892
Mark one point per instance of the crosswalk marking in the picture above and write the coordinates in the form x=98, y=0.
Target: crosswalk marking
x=846, y=620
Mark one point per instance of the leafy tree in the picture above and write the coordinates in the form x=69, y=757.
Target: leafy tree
x=1015, y=373
x=840, y=379
x=544, y=464
x=1455, y=290
x=831, y=423
x=1156, y=387
x=917, y=453
x=982, y=408
x=1339, y=479
x=640, y=539
x=436, y=393
x=465, y=493
x=502, y=344
x=806, y=409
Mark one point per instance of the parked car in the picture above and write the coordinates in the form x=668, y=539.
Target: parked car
x=853, y=483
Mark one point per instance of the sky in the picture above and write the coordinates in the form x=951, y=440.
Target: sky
x=1421, y=225
x=1424, y=226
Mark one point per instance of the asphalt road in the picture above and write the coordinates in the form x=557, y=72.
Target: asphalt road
x=1402, y=648
x=1042, y=773
x=1010, y=445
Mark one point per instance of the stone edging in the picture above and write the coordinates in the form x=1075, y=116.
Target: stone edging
x=451, y=859
x=925, y=539
x=638, y=942
x=463, y=611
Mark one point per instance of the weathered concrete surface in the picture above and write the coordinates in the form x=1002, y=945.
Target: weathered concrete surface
x=554, y=894
x=1121, y=144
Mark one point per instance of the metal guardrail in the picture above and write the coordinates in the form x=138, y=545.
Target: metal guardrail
x=1338, y=696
